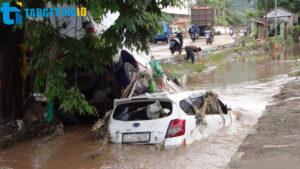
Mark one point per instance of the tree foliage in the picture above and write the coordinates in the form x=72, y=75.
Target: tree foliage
x=253, y=13
x=136, y=23
x=231, y=17
x=291, y=5
x=165, y=17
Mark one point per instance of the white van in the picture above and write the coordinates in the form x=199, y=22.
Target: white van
x=125, y=61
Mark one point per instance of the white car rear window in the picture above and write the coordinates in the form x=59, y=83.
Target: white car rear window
x=148, y=110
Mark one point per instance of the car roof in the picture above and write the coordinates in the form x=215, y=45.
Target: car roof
x=183, y=95
x=175, y=97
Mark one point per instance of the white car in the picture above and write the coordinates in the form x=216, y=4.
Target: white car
x=125, y=62
x=175, y=29
x=167, y=119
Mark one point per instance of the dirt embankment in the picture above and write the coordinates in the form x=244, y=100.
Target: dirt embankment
x=274, y=142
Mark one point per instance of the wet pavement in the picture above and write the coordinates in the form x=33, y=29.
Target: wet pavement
x=161, y=49
x=246, y=84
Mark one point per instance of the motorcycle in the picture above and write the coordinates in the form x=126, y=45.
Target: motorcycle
x=194, y=36
x=209, y=37
x=194, y=33
x=176, y=44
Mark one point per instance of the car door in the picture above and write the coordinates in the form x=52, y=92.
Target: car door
x=204, y=127
x=194, y=130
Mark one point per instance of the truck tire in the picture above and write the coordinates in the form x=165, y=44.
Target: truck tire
x=124, y=75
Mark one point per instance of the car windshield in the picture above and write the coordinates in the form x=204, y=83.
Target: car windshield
x=142, y=110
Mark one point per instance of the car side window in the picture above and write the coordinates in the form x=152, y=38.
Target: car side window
x=186, y=106
x=193, y=100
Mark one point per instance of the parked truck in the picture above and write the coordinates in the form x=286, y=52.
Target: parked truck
x=202, y=17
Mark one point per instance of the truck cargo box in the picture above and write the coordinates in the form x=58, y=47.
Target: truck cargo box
x=202, y=16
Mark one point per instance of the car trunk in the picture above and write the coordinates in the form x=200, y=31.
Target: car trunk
x=142, y=122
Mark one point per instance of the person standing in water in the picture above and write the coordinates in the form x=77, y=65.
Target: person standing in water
x=190, y=50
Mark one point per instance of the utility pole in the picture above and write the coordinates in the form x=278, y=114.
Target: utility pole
x=224, y=15
x=266, y=11
x=275, y=18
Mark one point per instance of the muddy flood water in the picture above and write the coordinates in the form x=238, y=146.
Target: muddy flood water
x=246, y=84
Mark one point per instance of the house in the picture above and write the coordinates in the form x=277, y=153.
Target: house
x=285, y=19
x=258, y=27
x=283, y=15
x=181, y=15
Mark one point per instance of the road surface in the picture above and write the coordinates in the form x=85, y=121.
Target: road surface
x=161, y=49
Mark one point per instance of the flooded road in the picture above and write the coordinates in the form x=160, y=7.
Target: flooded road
x=246, y=84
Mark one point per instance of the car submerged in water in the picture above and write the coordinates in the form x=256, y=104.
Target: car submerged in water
x=166, y=118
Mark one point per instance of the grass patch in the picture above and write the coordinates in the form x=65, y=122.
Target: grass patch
x=169, y=66
x=177, y=75
x=297, y=73
x=178, y=70
x=281, y=40
x=247, y=39
x=199, y=68
x=220, y=55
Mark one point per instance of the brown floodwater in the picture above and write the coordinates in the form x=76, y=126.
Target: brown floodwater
x=246, y=84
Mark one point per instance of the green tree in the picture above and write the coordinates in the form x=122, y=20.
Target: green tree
x=291, y=5
x=165, y=17
x=253, y=13
x=136, y=23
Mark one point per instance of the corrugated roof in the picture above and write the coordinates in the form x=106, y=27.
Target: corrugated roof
x=259, y=20
x=269, y=20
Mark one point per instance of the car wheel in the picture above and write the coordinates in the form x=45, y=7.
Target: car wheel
x=125, y=74
x=155, y=41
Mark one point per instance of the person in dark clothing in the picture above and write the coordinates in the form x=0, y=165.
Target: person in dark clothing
x=190, y=49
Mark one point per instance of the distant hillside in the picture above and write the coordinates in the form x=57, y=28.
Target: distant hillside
x=241, y=6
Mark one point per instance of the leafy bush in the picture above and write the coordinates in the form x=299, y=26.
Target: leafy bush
x=295, y=32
